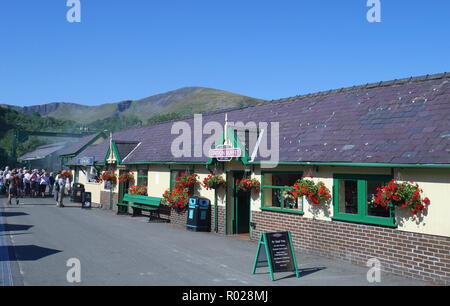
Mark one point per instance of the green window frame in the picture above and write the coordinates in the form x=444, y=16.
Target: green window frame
x=142, y=179
x=173, y=182
x=362, y=208
x=282, y=188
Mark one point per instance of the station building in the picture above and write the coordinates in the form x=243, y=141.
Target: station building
x=354, y=140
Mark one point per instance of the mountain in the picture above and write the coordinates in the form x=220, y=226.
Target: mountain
x=186, y=100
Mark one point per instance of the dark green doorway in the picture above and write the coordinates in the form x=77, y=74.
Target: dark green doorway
x=123, y=187
x=241, y=207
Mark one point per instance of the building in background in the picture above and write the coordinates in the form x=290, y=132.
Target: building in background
x=44, y=157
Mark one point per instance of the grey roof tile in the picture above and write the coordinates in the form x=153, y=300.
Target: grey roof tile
x=385, y=123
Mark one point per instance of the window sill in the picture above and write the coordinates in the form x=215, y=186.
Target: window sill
x=385, y=223
x=281, y=210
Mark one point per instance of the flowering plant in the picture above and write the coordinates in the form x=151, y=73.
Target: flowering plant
x=214, y=182
x=406, y=195
x=137, y=190
x=126, y=177
x=109, y=176
x=249, y=184
x=66, y=174
x=315, y=193
x=187, y=180
x=178, y=197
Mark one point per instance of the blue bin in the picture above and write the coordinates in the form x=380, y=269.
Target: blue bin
x=199, y=215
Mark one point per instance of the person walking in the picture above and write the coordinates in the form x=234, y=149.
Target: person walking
x=2, y=183
x=45, y=181
x=51, y=184
x=34, y=181
x=27, y=183
x=5, y=178
x=21, y=184
x=60, y=185
x=13, y=183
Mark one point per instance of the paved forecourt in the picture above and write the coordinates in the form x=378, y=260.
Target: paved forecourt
x=121, y=250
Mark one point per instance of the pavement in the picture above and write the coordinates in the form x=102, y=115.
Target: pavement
x=42, y=245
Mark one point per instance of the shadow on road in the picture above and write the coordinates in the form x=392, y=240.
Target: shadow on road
x=12, y=214
x=14, y=227
x=27, y=252
x=26, y=204
x=302, y=272
x=307, y=271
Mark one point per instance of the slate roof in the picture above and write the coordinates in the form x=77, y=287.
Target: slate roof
x=79, y=144
x=398, y=122
x=43, y=151
x=97, y=151
x=125, y=147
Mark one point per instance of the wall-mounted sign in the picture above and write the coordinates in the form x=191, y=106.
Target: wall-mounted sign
x=85, y=161
x=275, y=250
x=225, y=153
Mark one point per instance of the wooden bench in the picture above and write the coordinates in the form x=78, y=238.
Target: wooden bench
x=139, y=203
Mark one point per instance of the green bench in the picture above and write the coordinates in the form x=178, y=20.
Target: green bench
x=139, y=203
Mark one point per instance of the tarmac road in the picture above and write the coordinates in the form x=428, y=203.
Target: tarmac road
x=37, y=240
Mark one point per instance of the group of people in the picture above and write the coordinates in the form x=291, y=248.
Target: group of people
x=21, y=182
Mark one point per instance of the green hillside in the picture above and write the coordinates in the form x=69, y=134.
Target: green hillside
x=183, y=101
x=70, y=117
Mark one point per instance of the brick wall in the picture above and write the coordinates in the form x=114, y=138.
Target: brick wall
x=104, y=200
x=412, y=255
x=220, y=219
x=180, y=219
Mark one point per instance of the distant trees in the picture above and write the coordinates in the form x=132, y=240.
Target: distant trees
x=165, y=117
x=115, y=123
x=11, y=120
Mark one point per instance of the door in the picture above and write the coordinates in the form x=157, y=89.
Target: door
x=241, y=209
x=123, y=187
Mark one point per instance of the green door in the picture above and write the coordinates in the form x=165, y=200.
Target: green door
x=123, y=187
x=241, y=220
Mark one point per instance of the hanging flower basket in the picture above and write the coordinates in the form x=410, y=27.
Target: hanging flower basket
x=405, y=195
x=187, y=180
x=109, y=176
x=66, y=174
x=248, y=184
x=315, y=193
x=127, y=177
x=138, y=190
x=214, y=182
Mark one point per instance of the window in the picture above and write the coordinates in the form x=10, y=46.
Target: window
x=273, y=186
x=352, y=197
x=174, y=174
x=92, y=175
x=142, y=179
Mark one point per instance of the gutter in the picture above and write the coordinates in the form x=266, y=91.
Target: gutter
x=348, y=164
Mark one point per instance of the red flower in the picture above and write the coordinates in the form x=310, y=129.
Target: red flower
x=405, y=195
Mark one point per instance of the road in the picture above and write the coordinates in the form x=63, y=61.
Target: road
x=38, y=239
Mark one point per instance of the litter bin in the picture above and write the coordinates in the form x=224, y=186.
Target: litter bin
x=86, y=200
x=199, y=215
x=77, y=193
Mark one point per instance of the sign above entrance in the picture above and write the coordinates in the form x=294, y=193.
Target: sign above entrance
x=85, y=161
x=225, y=153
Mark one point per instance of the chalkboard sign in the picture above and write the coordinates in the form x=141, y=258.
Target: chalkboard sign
x=280, y=252
x=275, y=250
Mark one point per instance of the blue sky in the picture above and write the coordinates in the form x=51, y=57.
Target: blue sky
x=266, y=49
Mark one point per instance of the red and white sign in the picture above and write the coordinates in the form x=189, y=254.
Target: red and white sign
x=225, y=153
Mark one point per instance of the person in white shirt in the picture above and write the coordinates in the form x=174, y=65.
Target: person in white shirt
x=27, y=182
